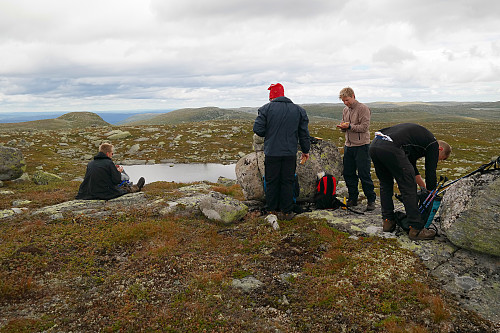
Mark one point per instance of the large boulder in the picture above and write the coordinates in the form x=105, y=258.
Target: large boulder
x=470, y=211
x=12, y=164
x=324, y=157
x=249, y=175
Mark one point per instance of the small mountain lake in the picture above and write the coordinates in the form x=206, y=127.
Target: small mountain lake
x=181, y=172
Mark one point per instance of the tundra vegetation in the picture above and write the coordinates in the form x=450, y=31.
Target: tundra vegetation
x=136, y=270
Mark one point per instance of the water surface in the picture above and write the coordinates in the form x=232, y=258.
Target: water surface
x=181, y=172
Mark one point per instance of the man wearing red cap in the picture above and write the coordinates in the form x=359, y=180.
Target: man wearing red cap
x=283, y=124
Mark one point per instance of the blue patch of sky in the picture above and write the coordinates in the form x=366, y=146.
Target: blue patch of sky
x=361, y=68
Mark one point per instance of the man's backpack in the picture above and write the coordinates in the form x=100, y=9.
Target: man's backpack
x=325, y=196
x=427, y=212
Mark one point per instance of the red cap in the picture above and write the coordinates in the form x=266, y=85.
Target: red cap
x=276, y=90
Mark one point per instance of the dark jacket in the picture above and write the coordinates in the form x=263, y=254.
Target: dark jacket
x=101, y=180
x=417, y=141
x=283, y=124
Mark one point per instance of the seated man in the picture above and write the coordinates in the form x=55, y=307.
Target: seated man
x=103, y=177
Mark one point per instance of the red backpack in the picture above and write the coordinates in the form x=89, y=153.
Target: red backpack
x=325, y=196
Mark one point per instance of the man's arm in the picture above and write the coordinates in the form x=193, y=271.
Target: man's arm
x=259, y=126
x=304, y=137
x=344, y=125
x=420, y=181
x=431, y=161
x=116, y=177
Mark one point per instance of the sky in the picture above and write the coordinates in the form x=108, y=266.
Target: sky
x=100, y=55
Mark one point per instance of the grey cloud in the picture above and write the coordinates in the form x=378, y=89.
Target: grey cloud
x=432, y=19
x=392, y=55
x=195, y=9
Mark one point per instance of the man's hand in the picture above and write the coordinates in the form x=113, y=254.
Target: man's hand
x=343, y=125
x=304, y=158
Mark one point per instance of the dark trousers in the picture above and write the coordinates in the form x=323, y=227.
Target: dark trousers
x=357, y=167
x=391, y=163
x=280, y=175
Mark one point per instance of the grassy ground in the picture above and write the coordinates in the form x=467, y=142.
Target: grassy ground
x=135, y=270
x=140, y=272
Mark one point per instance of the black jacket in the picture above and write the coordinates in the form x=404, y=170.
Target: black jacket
x=417, y=141
x=101, y=180
x=283, y=124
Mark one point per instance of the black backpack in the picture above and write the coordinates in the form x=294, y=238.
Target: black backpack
x=427, y=212
x=325, y=196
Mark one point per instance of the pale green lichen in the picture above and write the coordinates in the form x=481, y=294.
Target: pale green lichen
x=6, y=213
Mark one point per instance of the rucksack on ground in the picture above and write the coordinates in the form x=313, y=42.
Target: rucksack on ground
x=325, y=195
x=427, y=214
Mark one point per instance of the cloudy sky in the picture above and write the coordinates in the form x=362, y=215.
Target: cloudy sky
x=97, y=55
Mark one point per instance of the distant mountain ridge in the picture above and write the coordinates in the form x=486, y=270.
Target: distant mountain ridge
x=381, y=111
x=66, y=121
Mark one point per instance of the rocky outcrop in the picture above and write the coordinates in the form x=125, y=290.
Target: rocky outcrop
x=12, y=164
x=324, y=157
x=92, y=207
x=470, y=211
x=214, y=205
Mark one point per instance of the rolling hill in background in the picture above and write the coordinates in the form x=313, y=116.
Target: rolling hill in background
x=188, y=116
x=66, y=121
x=381, y=111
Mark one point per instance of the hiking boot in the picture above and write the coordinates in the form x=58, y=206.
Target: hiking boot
x=352, y=202
x=421, y=234
x=388, y=225
x=140, y=183
x=370, y=206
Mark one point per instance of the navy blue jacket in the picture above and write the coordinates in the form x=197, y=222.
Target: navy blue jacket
x=101, y=180
x=283, y=124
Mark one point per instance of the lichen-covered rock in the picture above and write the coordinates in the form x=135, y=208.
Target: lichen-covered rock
x=73, y=206
x=43, y=178
x=12, y=164
x=247, y=284
x=219, y=207
x=119, y=135
x=470, y=211
x=324, y=157
x=6, y=213
x=88, y=206
x=249, y=176
x=226, y=181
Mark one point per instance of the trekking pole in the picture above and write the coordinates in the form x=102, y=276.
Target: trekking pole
x=433, y=194
x=482, y=168
x=430, y=193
